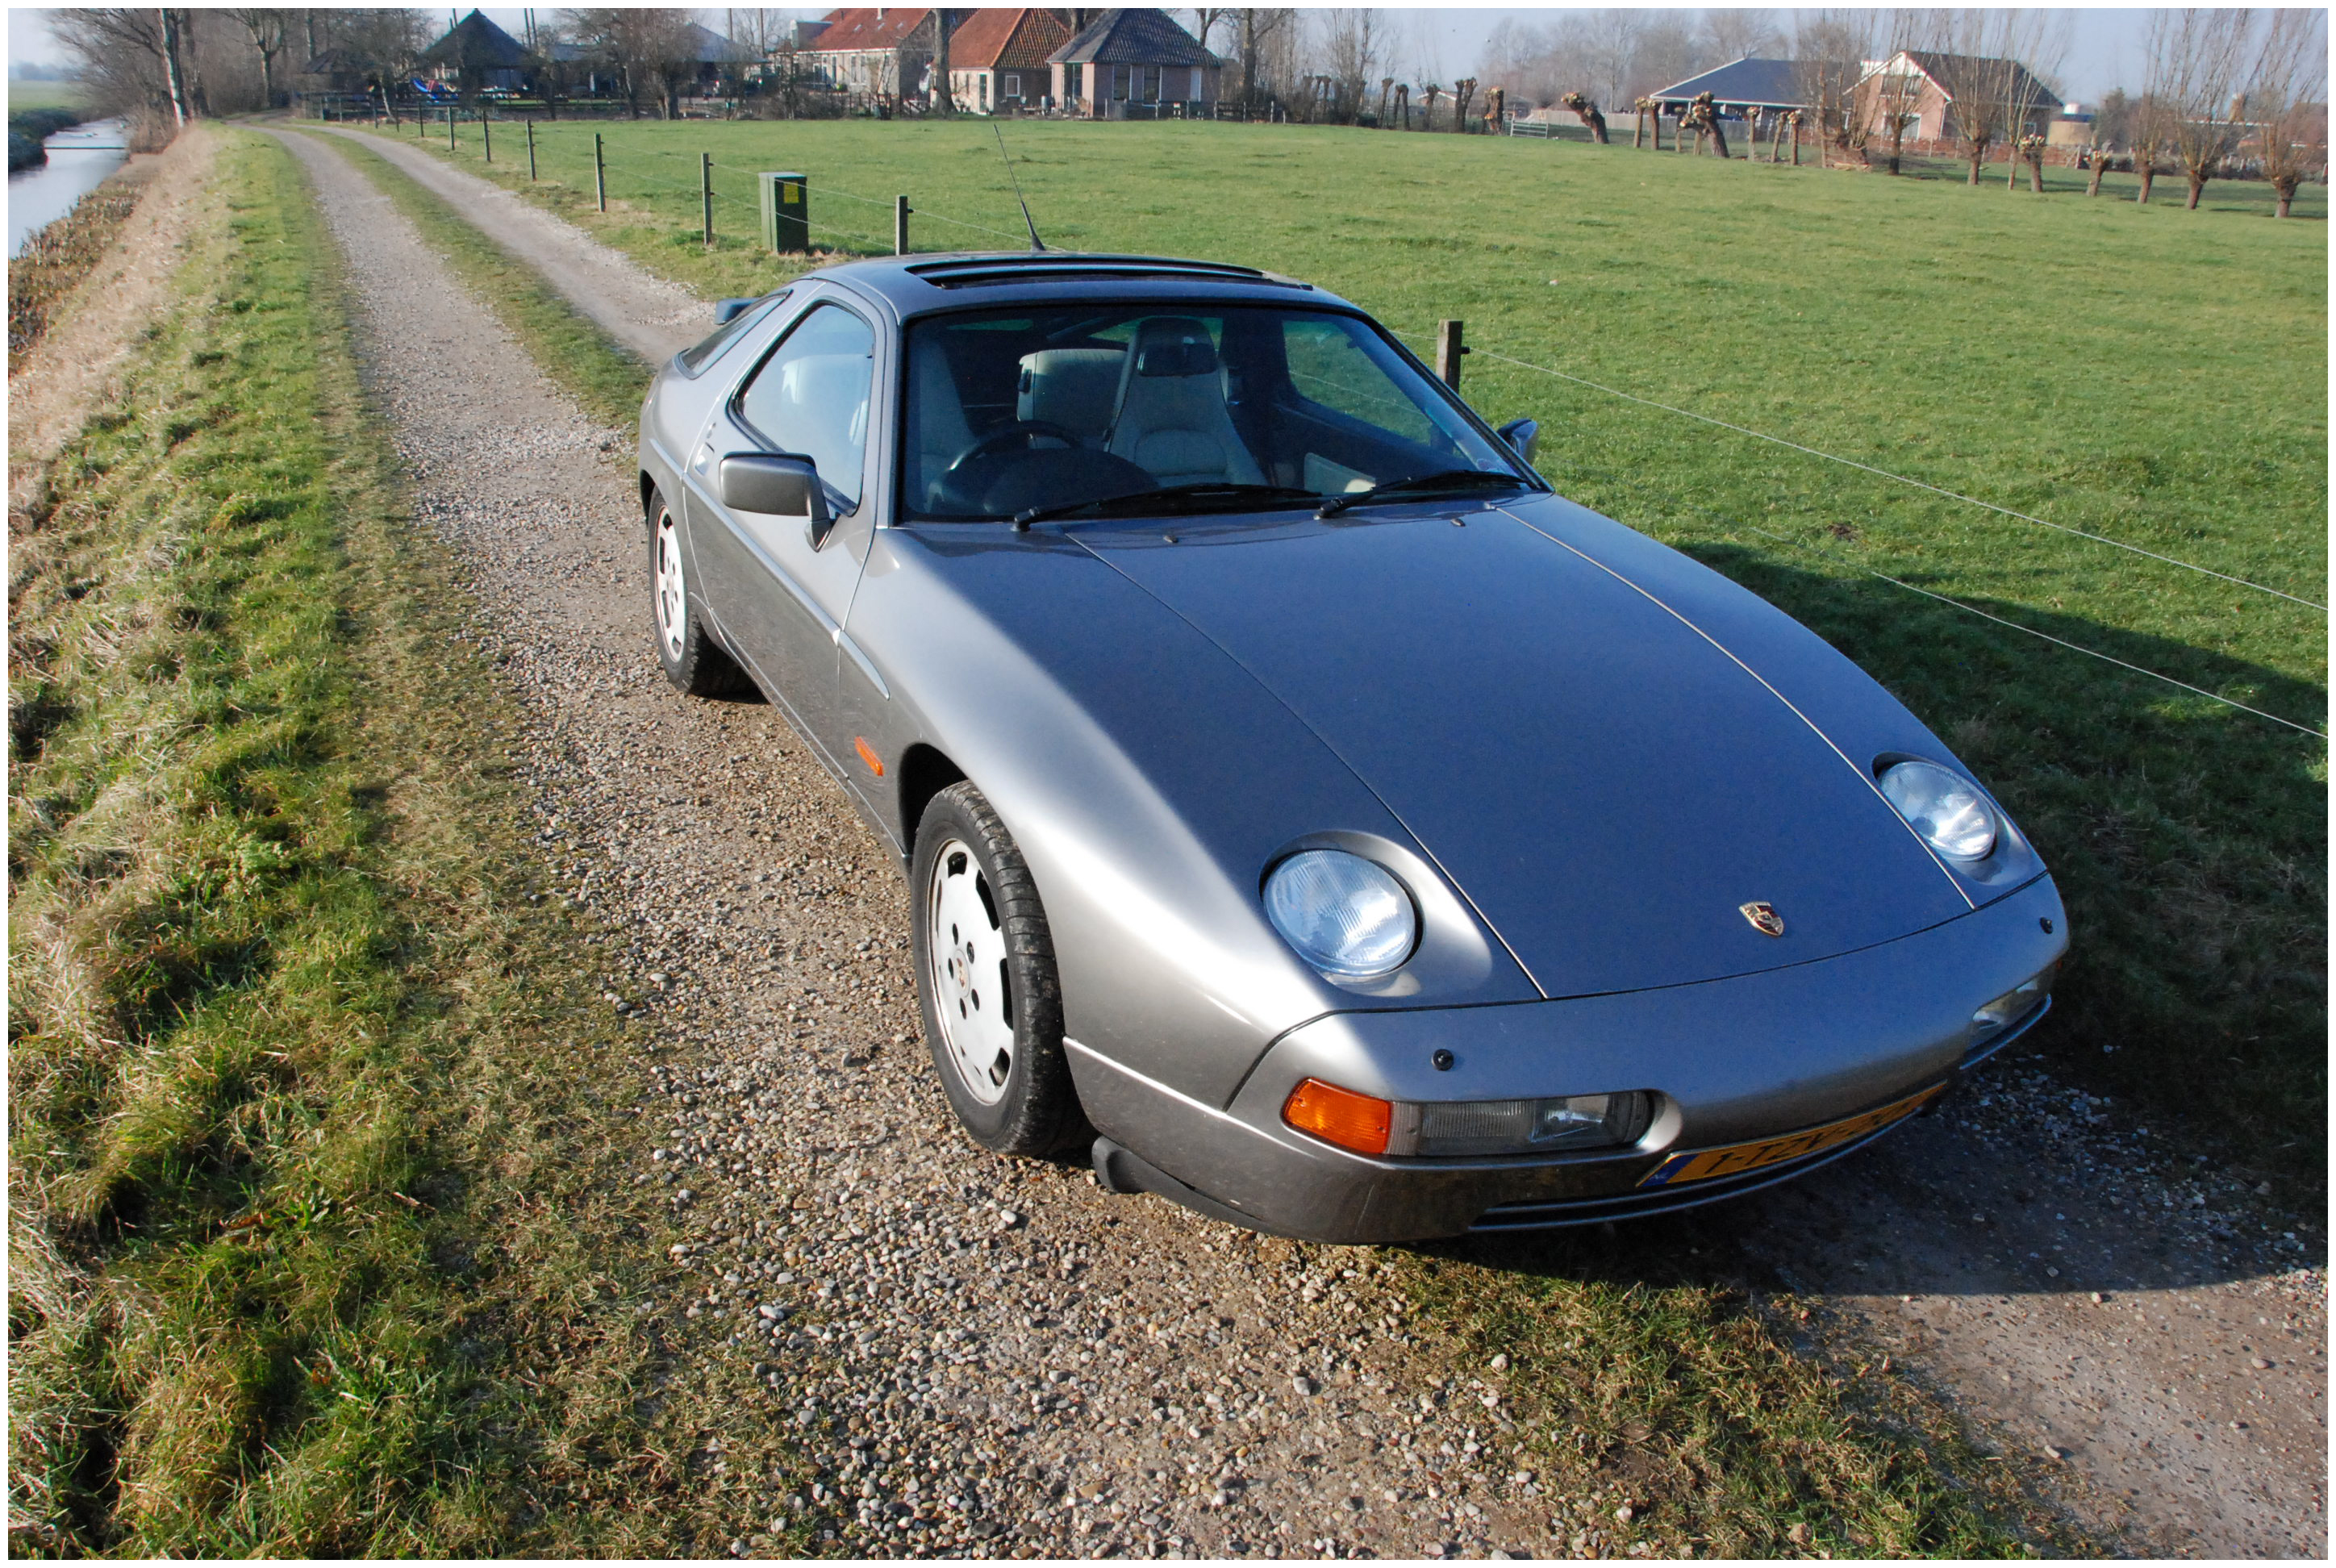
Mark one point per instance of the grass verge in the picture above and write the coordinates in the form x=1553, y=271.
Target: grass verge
x=2149, y=374
x=322, y=1238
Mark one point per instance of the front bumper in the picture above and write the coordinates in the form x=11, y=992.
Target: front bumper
x=1749, y=1058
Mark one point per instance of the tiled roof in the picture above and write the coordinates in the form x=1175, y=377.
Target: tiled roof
x=1012, y=37
x=2024, y=87
x=1138, y=35
x=867, y=27
x=1764, y=84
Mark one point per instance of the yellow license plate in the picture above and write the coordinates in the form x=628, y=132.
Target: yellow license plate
x=1703, y=1165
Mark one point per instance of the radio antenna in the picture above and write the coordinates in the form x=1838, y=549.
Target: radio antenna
x=1036, y=243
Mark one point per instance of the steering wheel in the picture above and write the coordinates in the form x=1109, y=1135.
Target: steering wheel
x=1022, y=430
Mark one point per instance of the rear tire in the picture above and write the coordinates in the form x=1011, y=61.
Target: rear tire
x=692, y=660
x=986, y=977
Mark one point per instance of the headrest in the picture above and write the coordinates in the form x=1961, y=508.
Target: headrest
x=1174, y=346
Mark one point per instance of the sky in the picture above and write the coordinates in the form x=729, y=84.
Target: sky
x=2106, y=51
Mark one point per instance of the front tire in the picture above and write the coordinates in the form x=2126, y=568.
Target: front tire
x=985, y=977
x=692, y=660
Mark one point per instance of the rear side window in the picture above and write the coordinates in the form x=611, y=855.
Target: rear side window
x=694, y=360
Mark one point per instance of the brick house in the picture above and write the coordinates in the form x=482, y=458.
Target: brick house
x=1926, y=81
x=998, y=58
x=877, y=52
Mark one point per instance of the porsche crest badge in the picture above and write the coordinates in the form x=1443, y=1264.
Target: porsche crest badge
x=1764, y=918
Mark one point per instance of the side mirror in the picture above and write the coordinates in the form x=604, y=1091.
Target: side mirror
x=726, y=311
x=1523, y=436
x=778, y=486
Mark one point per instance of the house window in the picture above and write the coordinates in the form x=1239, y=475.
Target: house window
x=1075, y=84
x=1013, y=85
x=1197, y=94
x=1151, y=84
x=1123, y=77
x=984, y=76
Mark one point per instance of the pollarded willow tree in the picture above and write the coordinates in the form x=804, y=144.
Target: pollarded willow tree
x=2288, y=102
x=2198, y=62
x=1586, y=110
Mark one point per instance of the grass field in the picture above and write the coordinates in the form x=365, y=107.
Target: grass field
x=23, y=95
x=317, y=1242
x=2149, y=374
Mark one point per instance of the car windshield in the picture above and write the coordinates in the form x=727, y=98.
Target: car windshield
x=1016, y=412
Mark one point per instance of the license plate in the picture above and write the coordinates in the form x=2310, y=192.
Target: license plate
x=1702, y=1165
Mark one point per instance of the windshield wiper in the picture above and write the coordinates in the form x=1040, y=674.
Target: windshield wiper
x=1174, y=498
x=1449, y=479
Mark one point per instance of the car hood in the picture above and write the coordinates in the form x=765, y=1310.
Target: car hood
x=1606, y=777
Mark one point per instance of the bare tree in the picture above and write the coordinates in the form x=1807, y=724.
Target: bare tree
x=1989, y=63
x=1740, y=32
x=1831, y=47
x=266, y=29
x=1260, y=30
x=1350, y=45
x=2198, y=60
x=2287, y=100
x=1462, y=91
x=130, y=61
x=650, y=50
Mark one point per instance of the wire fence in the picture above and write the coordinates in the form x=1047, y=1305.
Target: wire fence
x=566, y=147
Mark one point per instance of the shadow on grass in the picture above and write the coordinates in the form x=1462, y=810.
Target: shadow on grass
x=2188, y=840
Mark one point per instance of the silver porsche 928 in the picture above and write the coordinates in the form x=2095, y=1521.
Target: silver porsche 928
x=1350, y=836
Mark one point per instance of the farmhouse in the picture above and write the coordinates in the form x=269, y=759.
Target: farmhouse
x=1126, y=61
x=1764, y=86
x=878, y=51
x=474, y=57
x=1925, y=82
x=998, y=58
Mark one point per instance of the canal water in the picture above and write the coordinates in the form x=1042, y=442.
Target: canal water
x=79, y=157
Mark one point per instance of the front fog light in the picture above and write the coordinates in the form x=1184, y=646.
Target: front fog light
x=2011, y=1006
x=1461, y=1127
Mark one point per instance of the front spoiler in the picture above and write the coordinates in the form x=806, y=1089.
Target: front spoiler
x=1752, y=1056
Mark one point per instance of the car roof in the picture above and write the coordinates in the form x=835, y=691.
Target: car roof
x=924, y=284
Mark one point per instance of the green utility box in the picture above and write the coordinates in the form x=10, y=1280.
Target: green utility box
x=786, y=214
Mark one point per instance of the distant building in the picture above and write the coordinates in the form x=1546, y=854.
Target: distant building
x=1132, y=57
x=877, y=52
x=999, y=57
x=476, y=56
x=1926, y=81
x=1765, y=86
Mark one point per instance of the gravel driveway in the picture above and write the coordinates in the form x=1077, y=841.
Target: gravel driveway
x=1028, y=1360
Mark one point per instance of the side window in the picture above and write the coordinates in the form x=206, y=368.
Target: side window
x=1327, y=367
x=811, y=398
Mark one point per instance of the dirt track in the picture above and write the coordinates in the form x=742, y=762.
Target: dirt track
x=2075, y=1282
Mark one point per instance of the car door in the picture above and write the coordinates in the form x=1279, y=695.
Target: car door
x=779, y=586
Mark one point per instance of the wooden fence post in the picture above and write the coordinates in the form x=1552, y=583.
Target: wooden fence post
x=901, y=211
x=600, y=174
x=1449, y=350
x=706, y=194
x=449, y=127
x=487, y=136
x=531, y=150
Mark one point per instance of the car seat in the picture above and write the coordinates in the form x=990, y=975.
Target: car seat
x=1171, y=418
x=1075, y=388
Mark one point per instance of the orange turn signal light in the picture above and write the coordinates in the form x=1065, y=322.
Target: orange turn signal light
x=1340, y=1116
